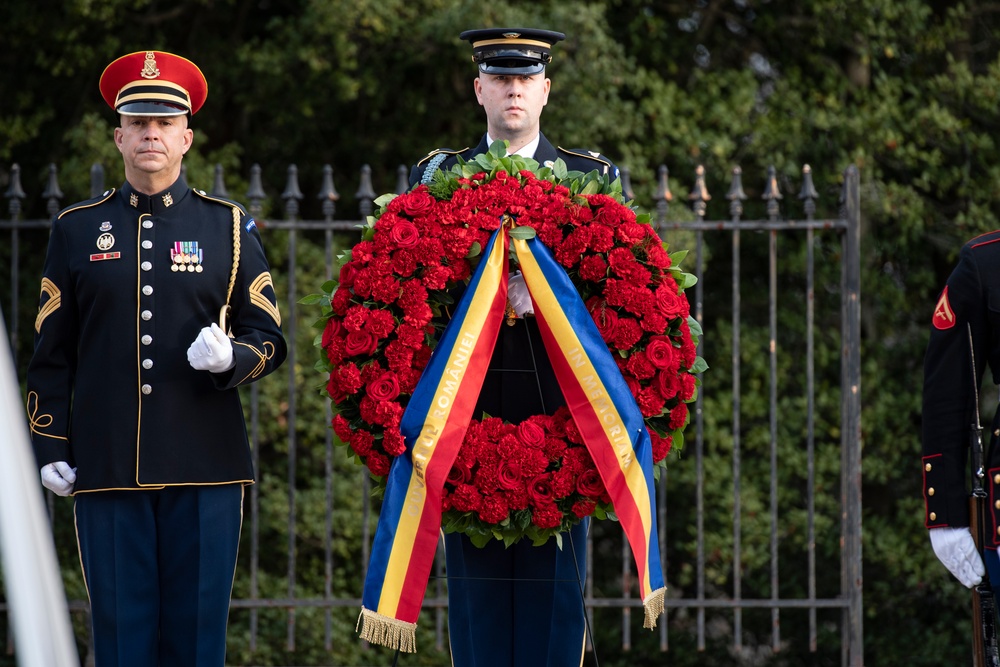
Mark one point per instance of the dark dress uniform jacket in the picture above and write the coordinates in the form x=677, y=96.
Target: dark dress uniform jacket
x=520, y=381
x=971, y=299
x=110, y=389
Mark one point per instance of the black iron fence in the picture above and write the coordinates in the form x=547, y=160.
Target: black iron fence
x=763, y=504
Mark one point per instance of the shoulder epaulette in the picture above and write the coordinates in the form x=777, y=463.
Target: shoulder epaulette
x=590, y=155
x=90, y=203
x=439, y=151
x=219, y=200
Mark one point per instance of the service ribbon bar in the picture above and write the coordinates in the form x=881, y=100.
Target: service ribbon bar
x=433, y=425
x=603, y=408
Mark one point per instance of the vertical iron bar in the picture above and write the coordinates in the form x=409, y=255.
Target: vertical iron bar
x=328, y=197
x=771, y=195
x=736, y=196
x=292, y=195
x=255, y=194
x=851, y=410
x=15, y=195
x=808, y=195
x=699, y=197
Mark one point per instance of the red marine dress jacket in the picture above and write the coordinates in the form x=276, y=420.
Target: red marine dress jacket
x=969, y=301
x=129, y=281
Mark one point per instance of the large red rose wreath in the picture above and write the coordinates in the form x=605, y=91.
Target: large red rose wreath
x=533, y=479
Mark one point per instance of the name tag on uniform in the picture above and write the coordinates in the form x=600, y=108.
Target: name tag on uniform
x=105, y=255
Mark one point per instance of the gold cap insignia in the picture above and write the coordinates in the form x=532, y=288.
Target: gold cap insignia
x=512, y=35
x=149, y=68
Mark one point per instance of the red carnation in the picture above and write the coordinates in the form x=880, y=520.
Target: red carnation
x=678, y=415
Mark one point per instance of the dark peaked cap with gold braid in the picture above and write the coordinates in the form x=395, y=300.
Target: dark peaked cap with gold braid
x=153, y=83
x=512, y=50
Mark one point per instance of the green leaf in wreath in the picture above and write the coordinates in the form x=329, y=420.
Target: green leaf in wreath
x=695, y=326
x=382, y=200
x=677, y=257
x=474, y=250
x=559, y=169
x=699, y=366
x=523, y=233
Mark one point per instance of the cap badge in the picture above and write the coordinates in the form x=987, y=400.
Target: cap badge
x=168, y=200
x=512, y=35
x=105, y=242
x=149, y=68
x=134, y=200
x=105, y=226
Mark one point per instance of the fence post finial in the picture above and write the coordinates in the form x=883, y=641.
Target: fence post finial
x=365, y=193
x=736, y=196
x=15, y=193
x=292, y=194
x=255, y=192
x=328, y=192
x=808, y=192
x=219, y=183
x=699, y=193
x=771, y=193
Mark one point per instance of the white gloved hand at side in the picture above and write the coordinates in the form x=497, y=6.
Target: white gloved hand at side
x=211, y=351
x=955, y=548
x=518, y=296
x=58, y=478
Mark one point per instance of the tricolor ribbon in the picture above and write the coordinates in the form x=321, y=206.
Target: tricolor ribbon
x=438, y=415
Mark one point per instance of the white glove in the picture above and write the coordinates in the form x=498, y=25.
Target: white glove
x=518, y=296
x=955, y=548
x=211, y=351
x=58, y=478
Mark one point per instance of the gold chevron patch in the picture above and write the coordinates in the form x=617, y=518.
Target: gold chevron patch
x=50, y=305
x=258, y=298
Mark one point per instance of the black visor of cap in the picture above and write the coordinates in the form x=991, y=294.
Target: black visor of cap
x=145, y=108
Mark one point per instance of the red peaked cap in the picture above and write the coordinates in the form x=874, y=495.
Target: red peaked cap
x=153, y=83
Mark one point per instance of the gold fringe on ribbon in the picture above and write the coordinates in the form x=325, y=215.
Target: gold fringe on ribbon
x=391, y=632
x=654, y=606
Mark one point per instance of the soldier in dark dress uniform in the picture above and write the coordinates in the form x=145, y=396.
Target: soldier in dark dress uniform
x=969, y=303
x=520, y=606
x=156, y=304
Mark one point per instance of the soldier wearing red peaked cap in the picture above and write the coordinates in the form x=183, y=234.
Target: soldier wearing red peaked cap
x=133, y=394
x=153, y=83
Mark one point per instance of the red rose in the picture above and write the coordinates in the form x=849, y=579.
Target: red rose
x=384, y=388
x=459, y=473
x=531, y=434
x=590, y=484
x=348, y=272
x=540, y=490
x=417, y=203
x=360, y=343
x=660, y=352
x=509, y=475
x=405, y=234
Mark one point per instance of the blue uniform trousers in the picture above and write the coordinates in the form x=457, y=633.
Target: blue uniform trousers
x=517, y=607
x=159, y=568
